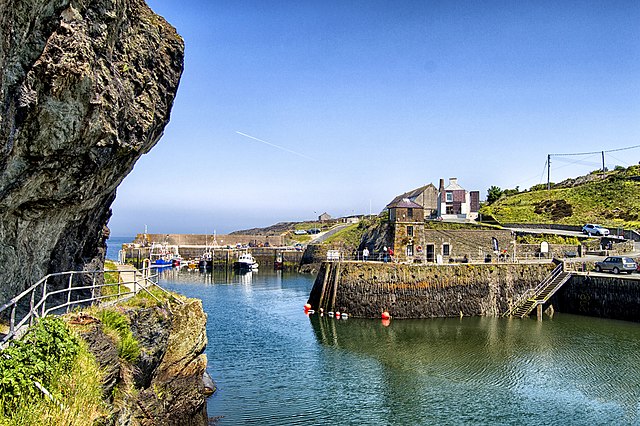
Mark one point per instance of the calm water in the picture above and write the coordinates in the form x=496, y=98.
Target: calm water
x=114, y=244
x=276, y=366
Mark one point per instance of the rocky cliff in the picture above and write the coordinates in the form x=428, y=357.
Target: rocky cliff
x=86, y=88
x=164, y=385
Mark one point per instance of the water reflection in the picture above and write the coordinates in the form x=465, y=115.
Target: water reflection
x=573, y=360
x=571, y=370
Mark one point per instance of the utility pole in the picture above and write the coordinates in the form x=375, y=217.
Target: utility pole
x=603, y=170
x=548, y=172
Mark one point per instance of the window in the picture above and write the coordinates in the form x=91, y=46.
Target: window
x=410, y=231
x=449, y=210
x=449, y=197
x=410, y=213
x=445, y=250
x=410, y=250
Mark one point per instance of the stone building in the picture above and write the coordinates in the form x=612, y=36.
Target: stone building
x=324, y=217
x=407, y=228
x=426, y=196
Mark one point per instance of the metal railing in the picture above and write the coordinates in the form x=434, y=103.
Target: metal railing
x=532, y=292
x=57, y=293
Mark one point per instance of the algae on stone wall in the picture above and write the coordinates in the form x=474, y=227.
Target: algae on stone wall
x=366, y=289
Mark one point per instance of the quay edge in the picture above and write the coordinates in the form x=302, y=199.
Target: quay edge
x=366, y=289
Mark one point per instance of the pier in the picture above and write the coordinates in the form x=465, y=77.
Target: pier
x=225, y=248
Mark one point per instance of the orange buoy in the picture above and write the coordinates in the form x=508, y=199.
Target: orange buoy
x=307, y=306
x=386, y=322
x=385, y=315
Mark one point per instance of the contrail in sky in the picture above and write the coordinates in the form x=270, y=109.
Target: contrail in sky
x=274, y=145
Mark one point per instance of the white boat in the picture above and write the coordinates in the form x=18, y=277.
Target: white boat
x=246, y=262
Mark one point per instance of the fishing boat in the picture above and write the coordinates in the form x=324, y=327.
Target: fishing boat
x=246, y=262
x=162, y=254
x=206, y=260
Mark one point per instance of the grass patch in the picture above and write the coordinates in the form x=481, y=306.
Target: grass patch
x=549, y=238
x=50, y=354
x=349, y=236
x=613, y=202
x=116, y=325
x=112, y=282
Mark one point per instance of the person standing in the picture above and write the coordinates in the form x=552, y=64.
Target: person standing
x=385, y=254
x=365, y=254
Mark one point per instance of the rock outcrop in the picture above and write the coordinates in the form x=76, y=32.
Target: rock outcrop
x=167, y=384
x=86, y=88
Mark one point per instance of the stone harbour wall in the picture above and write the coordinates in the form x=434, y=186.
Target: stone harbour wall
x=613, y=297
x=423, y=291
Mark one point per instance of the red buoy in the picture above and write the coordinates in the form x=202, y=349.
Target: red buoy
x=307, y=306
x=385, y=315
x=386, y=322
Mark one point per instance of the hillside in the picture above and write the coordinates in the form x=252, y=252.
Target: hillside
x=612, y=201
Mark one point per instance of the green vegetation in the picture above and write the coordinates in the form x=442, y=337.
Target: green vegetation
x=613, y=201
x=349, y=236
x=549, y=238
x=52, y=356
x=152, y=296
x=439, y=225
x=113, y=286
x=116, y=325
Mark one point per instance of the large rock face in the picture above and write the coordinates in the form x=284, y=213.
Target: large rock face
x=86, y=88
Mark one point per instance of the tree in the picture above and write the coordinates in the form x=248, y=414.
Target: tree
x=493, y=194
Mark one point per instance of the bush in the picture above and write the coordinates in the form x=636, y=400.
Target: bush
x=46, y=351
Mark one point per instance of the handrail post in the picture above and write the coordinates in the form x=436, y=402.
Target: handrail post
x=69, y=291
x=93, y=287
x=135, y=282
x=12, y=323
x=44, y=295
x=31, y=304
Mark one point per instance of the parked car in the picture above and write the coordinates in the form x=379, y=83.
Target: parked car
x=593, y=229
x=617, y=264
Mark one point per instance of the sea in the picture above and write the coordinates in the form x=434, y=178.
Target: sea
x=276, y=365
x=114, y=244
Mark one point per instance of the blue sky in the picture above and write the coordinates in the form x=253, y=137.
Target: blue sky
x=360, y=101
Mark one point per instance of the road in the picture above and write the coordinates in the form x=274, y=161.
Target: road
x=548, y=231
x=323, y=236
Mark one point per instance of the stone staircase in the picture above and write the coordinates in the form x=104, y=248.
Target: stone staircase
x=541, y=294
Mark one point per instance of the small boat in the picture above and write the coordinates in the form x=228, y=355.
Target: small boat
x=278, y=264
x=206, y=260
x=246, y=262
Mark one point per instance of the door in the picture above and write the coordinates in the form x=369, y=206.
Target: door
x=430, y=251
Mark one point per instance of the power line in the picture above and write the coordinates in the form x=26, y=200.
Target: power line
x=595, y=152
x=583, y=153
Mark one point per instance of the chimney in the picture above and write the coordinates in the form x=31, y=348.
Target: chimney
x=441, y=187
x=453, y=181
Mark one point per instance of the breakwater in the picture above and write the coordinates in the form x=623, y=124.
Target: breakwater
x=365, y=289
x=223, y=257
x=611, y=297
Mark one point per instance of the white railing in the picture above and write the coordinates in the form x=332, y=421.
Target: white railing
x=58, y=293
x=532, y=292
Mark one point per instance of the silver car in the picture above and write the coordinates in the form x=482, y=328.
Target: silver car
x=617, y=264
x=593, y=229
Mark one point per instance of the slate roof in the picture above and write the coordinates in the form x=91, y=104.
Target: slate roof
x=411, y=194
x=404, y=203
